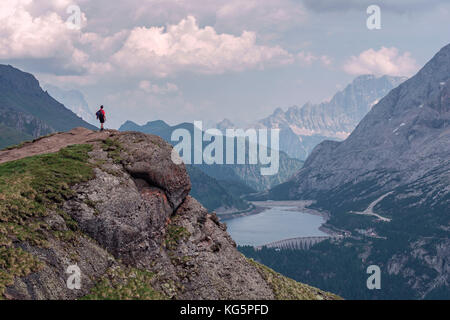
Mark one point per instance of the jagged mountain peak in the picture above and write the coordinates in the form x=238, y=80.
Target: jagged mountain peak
x=278, y=111
x=156, y=123
x=306, y=126
x=225, y=124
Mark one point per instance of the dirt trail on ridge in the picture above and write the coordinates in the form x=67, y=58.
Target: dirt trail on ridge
x=54, y=143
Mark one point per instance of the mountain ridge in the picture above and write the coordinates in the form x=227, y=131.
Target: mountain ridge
x=302, y=128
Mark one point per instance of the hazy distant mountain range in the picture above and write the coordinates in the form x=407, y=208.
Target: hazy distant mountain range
x=27, y=112
x=302, y=128
x=73, y=100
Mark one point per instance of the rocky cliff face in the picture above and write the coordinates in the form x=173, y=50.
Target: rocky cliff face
x=117, y=207
x=302, y=128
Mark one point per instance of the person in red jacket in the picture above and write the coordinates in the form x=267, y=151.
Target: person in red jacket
x=101, y=116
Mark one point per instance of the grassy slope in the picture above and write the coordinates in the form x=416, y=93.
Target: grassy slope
x=30, y=187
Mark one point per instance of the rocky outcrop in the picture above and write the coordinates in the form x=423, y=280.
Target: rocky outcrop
x=128, y=216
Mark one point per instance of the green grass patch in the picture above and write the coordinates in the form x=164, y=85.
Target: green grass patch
x=29, y=188
x=114, y=149
x=125, y=284
x=15, y=262
x=174, y=235
x=93, y=205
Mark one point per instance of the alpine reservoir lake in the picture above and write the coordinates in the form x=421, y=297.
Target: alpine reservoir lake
x=278, y=221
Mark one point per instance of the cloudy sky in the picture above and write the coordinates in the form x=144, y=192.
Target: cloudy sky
x=185, y=60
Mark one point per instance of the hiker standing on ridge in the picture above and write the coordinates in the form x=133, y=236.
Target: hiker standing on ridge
x=101, y=116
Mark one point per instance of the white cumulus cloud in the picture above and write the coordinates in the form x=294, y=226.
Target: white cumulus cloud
x=36, y=31
x=188, y=47
x=23, y=35
x=386, y=61
x=45, y=36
